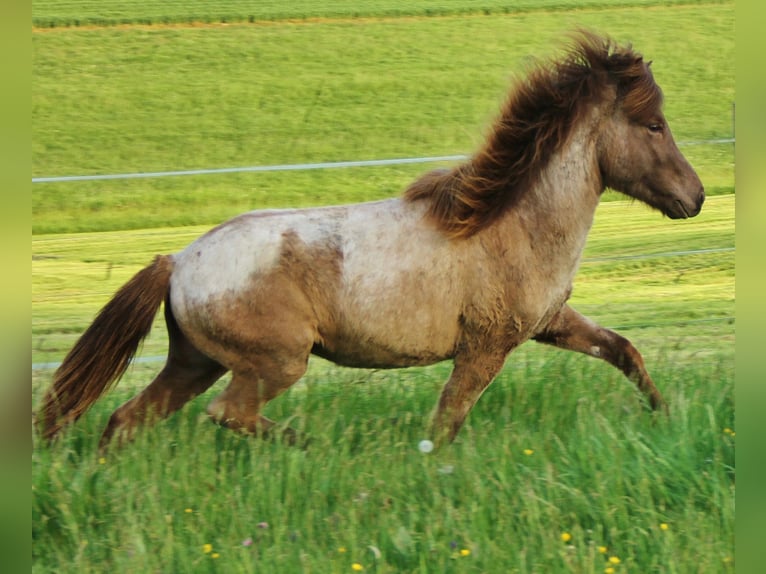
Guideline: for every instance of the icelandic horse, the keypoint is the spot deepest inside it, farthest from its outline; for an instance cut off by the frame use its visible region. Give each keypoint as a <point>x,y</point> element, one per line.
<point>468,264</point>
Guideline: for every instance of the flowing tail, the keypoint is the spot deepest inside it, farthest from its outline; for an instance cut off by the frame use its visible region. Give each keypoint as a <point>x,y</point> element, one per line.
<point>103,353</point>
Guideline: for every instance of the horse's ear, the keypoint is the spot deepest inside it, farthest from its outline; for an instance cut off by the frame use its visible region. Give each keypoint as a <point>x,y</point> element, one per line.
<point>649,64</point>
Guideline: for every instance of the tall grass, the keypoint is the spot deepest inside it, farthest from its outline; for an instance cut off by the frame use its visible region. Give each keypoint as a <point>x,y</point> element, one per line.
<point>555,447</point>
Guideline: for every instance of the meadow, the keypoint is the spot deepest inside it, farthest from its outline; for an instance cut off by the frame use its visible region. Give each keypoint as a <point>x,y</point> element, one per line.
<point>145,99</point>
<point>559,468</point>
<point>55,13</point>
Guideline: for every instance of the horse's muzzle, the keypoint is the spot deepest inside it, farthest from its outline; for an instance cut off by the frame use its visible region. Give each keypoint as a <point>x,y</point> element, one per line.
<point>684,210</point>
<point>698,204</point>
<point>700,200</point>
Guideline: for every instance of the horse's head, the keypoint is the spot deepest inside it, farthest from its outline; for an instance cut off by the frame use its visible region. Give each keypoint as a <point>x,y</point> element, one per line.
<point>637,153</point>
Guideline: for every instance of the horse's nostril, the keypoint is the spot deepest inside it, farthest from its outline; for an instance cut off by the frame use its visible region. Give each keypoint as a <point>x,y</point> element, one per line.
<point>701,199</point>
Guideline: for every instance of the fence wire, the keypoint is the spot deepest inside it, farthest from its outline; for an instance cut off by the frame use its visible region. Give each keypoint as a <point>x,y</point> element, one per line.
<point>296,167</point>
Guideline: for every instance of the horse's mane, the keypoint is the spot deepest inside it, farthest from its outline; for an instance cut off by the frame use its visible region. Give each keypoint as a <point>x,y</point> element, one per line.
<point>534,123</point>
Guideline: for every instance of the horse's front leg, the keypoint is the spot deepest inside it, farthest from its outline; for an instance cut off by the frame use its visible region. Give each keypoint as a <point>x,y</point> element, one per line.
<point>471,375</point>
<point>570,330</point>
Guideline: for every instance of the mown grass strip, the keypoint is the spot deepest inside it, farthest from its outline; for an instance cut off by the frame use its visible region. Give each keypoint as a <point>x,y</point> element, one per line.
<point>620,283</point>
<point>73,13</point>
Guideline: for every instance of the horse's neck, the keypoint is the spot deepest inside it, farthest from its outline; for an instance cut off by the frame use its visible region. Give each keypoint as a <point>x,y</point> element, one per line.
<point>556,212</point>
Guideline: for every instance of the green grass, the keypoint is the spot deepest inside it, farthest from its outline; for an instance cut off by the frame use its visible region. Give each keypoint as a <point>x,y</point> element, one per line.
<point>130,98</point>
<point>54,13</point>
<point>602,469</point>
<point>122,100</point>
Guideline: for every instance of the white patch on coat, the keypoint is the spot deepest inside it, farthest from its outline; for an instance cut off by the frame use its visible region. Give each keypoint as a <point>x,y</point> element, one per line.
<point>402,283</point>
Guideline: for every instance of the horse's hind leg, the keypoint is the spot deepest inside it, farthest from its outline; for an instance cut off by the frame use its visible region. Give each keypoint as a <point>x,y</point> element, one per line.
<point>238,406</point>
<point>187,373</point>
<point>265,346</point>
<point>571,330</point>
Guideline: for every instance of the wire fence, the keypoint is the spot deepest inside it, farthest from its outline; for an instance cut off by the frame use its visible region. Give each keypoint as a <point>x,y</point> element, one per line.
<point>298,166</point>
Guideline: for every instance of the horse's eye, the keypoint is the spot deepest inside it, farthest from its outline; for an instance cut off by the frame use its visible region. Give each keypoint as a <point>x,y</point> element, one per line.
<point>656,128</point>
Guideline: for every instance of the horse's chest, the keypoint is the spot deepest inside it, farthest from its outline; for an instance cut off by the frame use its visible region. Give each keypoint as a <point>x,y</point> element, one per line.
<point>517,308</point>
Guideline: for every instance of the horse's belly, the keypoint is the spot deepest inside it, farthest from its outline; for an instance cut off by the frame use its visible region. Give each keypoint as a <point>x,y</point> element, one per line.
<point>390,336</point>
<point>380,354</point>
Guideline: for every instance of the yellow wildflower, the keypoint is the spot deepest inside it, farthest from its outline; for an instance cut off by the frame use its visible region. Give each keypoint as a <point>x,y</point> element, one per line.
<point>664,526</point>
<point>566,537</point>
<point>342,550</point>
<point>207,548</point>
<point>356,567</point>
<point>614,560</point>
<point>528,451</point>
<point>465,552</point>
<point>608,570</point>
<point>188,510</point>
<point>102,460</point>
<point>602,549</point>
<point>214,555</point>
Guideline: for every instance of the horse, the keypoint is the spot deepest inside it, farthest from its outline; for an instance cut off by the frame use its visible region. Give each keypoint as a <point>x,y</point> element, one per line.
<point>466,265</point>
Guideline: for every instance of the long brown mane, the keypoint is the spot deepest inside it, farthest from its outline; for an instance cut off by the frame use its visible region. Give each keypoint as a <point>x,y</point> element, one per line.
<point>534,123</point>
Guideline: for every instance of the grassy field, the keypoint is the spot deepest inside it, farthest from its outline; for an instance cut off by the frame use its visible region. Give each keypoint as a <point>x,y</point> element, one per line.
<point>558,469</point>
<point>559,444</point>
<point>555,446</point>
<point>135,99</point>
<point>55,13</point>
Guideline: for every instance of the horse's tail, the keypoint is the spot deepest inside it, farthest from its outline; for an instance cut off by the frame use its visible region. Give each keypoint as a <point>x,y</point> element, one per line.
<point>103,352</point>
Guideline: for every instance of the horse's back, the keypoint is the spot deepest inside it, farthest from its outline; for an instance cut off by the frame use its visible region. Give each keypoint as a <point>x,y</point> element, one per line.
<point>228,258</point>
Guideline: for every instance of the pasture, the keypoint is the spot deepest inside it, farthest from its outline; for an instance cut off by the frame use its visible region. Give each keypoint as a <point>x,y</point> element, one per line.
<point>557,469</point>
